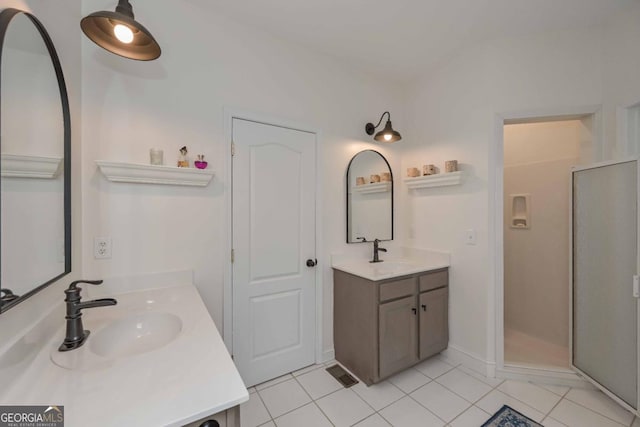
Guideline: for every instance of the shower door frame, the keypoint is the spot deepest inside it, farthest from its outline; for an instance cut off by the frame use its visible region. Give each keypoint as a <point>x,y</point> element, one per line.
<point>573,367</point>
<point>495,357</point>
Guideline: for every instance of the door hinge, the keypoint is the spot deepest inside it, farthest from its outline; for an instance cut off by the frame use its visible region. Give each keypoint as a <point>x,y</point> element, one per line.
<point>233,148</point>
<point>636,286</point>
<point>233,256</point>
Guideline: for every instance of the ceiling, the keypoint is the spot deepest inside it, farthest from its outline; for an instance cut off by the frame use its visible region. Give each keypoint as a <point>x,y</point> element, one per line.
<point>400,39</point>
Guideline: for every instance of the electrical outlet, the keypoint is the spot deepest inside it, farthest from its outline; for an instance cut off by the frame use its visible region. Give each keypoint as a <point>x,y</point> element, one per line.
<point>471,237</point>
<point>102,247</point>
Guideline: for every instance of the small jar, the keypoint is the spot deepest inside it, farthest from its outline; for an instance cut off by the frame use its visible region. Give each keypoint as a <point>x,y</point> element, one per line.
<point>451,166</point>
<point>428,170</point>
<point>156,157</point>
<point>200,163</point>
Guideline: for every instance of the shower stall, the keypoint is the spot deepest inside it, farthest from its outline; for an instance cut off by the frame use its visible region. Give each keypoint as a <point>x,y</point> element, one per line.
<point>538,159</point>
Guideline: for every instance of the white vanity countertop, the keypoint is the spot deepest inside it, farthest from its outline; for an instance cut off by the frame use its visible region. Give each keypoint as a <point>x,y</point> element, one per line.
<point>403,262</point>
<point>185,380</point>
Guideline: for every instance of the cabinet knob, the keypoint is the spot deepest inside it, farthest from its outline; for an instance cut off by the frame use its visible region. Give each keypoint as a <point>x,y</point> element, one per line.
<point>424,307</point>
<point>414,311</point>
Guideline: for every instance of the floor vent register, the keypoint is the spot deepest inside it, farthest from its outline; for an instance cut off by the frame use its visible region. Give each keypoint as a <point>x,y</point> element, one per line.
<point>343,377</point>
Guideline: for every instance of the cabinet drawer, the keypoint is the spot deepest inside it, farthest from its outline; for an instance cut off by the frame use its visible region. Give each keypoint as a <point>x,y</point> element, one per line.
<point>397,289</point>
<point>434,280</point>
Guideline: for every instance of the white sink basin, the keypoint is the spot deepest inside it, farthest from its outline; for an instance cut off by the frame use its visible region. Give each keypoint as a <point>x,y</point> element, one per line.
<point>135,334</point>
<point>391,267</point>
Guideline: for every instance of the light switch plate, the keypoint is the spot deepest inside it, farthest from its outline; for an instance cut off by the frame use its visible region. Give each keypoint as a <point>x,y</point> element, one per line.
<point>471,237</point>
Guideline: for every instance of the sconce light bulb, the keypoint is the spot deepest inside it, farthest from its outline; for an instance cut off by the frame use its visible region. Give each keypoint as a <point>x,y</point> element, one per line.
<point>123,33</point>
<point>387,137</point>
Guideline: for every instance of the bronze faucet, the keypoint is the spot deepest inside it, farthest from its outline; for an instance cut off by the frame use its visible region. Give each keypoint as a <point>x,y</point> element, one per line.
<point>376,249</point>
<point>76,335</point>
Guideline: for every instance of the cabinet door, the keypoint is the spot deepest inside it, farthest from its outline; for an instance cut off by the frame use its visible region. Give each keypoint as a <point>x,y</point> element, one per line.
<point>398,335</point>
<point>434,322</point>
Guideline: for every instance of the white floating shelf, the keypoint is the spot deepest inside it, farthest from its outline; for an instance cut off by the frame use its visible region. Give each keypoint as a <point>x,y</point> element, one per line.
<point>376,187</point>
<point>151,174</point>
<point>437,180</point>
<point>21,166</point>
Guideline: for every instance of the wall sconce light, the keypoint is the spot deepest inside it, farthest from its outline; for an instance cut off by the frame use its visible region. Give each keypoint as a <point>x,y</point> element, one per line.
<point>119,33</point>
<point>385,135</point>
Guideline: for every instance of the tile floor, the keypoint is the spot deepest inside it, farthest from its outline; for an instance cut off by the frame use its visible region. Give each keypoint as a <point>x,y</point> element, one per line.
<point>433,393</point>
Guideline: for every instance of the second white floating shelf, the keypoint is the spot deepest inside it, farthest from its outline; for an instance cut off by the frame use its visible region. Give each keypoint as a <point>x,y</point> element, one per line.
<point>437,180</point>
<point>151,174</point>
<point>375,187</point>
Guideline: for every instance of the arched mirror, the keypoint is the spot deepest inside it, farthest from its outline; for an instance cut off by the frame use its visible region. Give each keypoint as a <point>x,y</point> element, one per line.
<point>369,198</point>
<point>35,143</point>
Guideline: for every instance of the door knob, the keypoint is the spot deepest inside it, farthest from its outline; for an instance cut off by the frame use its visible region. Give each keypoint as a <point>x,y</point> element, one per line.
<point>312,262</point>
<point>424,307</point>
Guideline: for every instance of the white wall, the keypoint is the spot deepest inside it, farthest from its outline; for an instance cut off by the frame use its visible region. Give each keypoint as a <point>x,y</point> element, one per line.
<point>61,21</point>
<point>537,161</point>
<point>129,107</point>
<point>455,112</point>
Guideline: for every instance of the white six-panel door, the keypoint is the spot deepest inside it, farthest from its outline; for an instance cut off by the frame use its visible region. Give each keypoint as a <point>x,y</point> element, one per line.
<point>273,191</point>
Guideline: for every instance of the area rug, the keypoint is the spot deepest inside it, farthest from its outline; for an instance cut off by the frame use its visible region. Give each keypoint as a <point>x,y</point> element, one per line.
<point>509,417</point>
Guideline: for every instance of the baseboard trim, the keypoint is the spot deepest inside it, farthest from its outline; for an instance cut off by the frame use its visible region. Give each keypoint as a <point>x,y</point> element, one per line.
<point>555,376</point>
<point>327,355</point>
<point>457,356</point>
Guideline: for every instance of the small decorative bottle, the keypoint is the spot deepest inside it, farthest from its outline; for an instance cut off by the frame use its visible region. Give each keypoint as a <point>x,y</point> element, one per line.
<point>200,163</point>
<point>183,162</point>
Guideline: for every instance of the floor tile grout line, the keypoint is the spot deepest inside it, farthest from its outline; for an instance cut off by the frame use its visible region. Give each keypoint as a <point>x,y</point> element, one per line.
<point>458,416</point>
<point>548,414</point>
<point>265,406</point>
<point>322,412</point>
<point>375,413</point>
<point>275,384</point>
<point>436,415</point>
<point>597,412</point>
<point>386,406</point>
<point>288,412</point>
<point>409,394</point>
<point>528,404</point>
<point>316,367</point>
<point>459,395</point>
<point>314,400</point>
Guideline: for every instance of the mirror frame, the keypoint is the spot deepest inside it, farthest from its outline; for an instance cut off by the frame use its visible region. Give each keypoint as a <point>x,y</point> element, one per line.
<point>6,16</point>
<point>347,194</point>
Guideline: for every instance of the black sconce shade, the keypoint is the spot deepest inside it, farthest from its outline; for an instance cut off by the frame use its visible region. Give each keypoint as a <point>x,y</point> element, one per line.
<point>119,33</point>
<point>388,134</point>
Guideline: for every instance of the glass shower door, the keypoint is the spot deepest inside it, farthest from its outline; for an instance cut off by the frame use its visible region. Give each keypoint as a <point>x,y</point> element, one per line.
<point>605,261</point>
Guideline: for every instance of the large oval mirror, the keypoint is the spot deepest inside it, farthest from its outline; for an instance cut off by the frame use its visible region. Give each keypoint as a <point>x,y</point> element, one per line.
<point>35,246</point>
<point>369,198</point>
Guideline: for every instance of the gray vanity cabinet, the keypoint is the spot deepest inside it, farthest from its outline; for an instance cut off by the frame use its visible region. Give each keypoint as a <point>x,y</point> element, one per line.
<point>383,327</point>
<point>398,332</point>
<point>434,322</point>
